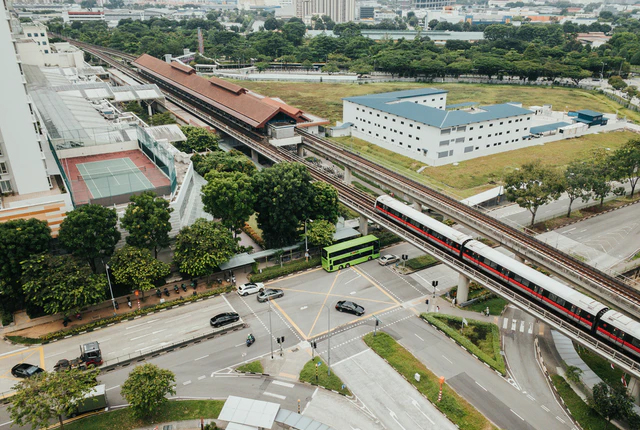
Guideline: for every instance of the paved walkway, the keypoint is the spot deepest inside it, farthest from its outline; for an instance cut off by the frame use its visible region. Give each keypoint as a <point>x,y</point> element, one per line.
<point>177,425</point>
<point>568,353</point>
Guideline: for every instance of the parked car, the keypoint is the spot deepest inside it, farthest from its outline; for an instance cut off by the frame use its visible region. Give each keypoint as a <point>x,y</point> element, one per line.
<point>388,259</point>
<point>224,319</point>
<point>250,288</point>
<point>25,370</point>
<point>269,294</point>
<point>350,307</point>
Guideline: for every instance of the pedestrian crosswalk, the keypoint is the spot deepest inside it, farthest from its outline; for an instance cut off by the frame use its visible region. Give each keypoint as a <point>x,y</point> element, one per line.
<point>517,326</point>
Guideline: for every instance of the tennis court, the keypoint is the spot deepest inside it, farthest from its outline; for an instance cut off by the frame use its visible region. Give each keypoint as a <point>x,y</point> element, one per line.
<point>113,177</point>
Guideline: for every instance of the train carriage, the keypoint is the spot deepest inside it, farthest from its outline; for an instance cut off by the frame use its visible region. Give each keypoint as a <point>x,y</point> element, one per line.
<point>435,232</point>
<point>620,332</point>
<point>556,296</point>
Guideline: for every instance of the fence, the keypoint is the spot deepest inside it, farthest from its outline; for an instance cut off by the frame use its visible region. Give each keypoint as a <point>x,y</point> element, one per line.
<point>160,156</point>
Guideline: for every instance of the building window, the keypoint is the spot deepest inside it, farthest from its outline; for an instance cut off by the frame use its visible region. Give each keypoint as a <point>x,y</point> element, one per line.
<point>509,121</point>
<point>489,135</point>
<point>482,126</point>
<point>410,125</point>
<point>508,131</point>
<point>418,127</point>
<point>358,108</point>
<point>410,136</point>
<point>527,119</point>
<point>385,117</point>
<point>49,181</point>
<point>409,146</point>
<point>445,131</point>
<point>384,127</point>
<point>44,42</point>
<point>468,149</point>
<point>462,128</point>
<point>5,186</point>
<point>393,140</point>
<point>394,120</point>
<point>28,34</point>
<point>46,51</point>
<point>402,122</point>
<point>501,122</point>
<point>417,138</point>
<point>460,139</point>
<point>400,133</point>
<point>490,125</point>
<point>525,129</point>
<point>470,139</point>
<point>416,102</point>
<point>378,115</point>
<point>477,147</point>
<point>3,168</point>
<point>1,153</point>
<point>377,135</point>
<point>517,130</point>
<point>443,154</point>
<point>433,100</point>
<point>444,143</point>
<point>441,98</point>
<point>470,128</point>
<point>42,34</point>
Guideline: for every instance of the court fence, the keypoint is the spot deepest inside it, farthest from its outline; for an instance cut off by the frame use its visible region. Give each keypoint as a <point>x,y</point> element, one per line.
<point>159,155</point>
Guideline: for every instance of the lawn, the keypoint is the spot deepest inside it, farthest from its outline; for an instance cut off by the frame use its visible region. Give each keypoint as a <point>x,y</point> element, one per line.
<point>254,366</point>
<point>457,409</point>
<point>586,417</point>
<point>601,367</point>
<point>419,263</point>
<point>310,370</point>
<point>496,305</point>
<point>121,419</point>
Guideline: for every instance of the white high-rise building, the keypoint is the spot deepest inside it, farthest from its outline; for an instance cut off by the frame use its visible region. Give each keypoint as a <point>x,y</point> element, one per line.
<point>339,10</point>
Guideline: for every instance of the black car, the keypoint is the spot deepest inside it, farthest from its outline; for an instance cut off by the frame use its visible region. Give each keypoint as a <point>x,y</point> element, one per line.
<point>25,370</point>
<point>269,294</point>
<point>352,308</point>
<point>224,319</point>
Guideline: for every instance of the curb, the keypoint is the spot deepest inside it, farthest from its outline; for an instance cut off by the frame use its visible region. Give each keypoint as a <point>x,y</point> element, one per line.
<point>594,215</point>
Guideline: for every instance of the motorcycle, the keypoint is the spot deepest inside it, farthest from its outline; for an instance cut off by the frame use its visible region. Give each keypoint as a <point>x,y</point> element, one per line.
<point>194,283</point>
<point>166,292</point>
<point>116,305</point>
<point>158,293</point>
<point>176,289</point>
<point>184,287</point>
<point>250,340</point>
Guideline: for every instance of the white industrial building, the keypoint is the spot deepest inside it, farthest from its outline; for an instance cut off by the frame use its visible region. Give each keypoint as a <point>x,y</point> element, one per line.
<point>419,124</point>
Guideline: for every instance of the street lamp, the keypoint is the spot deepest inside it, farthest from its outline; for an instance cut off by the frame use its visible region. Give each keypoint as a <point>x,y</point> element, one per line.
<point>602,74</point>
<point>270,331</point>
<point>113,301</point>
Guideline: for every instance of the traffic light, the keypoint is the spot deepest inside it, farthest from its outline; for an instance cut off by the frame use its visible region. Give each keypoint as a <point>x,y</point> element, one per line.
<point>282,339</point>
<point>434,283</point>
<point>377,322</point>
<point>314,344</point>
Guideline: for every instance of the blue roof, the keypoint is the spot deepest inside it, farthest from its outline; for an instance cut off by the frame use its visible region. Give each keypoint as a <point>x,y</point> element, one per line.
<point>548,127</point>
<point>392,103</point>
<point>589,112</point>
<point>459,105</point>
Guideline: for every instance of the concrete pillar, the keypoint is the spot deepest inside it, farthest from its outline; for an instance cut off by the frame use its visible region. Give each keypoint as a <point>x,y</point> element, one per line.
<point>149,110</point>
<point>463,289</point>
<point>300,150</point>
<point>254,156</point>
<point>634,389</point>
<point>416,205</point>
<point>519,259</point>
<point>347,175</point>
<point>364,225</point>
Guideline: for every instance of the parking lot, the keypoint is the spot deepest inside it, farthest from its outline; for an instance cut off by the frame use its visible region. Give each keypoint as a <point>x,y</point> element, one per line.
<point>309,300</point>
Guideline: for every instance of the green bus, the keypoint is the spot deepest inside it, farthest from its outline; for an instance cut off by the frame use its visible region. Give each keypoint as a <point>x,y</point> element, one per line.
<point>351,252</point>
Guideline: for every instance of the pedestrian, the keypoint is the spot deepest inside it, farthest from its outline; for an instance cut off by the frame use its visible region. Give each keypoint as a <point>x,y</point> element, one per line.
<point>437,309</point>
<point>453,302</point>
<point>427,302</point>
<point>486,311</point>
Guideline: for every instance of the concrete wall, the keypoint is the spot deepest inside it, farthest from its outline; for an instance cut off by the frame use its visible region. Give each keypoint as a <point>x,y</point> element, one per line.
<point>51,209</point>
<point>97,149</point>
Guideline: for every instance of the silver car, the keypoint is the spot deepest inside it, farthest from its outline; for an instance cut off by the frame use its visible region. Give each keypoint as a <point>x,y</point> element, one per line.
<point>388,259</point>
<point>269,294</point>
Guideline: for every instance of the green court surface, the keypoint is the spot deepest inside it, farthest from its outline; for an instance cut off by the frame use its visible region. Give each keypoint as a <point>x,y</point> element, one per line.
<point>113,177</point>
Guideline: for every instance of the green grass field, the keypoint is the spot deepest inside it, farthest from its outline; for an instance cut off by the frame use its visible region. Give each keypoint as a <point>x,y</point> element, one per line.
<point>254,366</point>
<point>586,417</point>
<point>332,382</point>
<point>601,367</point>
<point>496,305</point>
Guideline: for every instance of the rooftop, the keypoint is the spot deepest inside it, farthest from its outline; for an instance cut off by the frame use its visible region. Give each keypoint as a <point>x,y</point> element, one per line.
<point>589,112</point>
<point>392,103</point>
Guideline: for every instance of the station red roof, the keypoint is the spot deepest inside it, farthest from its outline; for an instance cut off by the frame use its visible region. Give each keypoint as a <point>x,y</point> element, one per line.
<point>226,96</point>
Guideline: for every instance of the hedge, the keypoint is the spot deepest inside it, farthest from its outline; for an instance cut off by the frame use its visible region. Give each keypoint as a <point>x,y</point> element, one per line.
<point>497,363</point>
<point>422,262</point>
<point>273,272</point>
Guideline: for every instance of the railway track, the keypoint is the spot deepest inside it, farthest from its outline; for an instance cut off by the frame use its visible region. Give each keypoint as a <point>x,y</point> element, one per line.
<point>360,200</point>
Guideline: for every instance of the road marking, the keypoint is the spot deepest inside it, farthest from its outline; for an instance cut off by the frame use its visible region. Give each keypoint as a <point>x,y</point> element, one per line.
<point>200,378</point>
<point>447,359</point>
<point>545,408</point>
<point>415,403</point>
<point>531,398</point>
<point>353,356</point>
<point>240,344</point>
<point>482,387</point>
<point>159,331</point>
<point>283,384</point>
<point>514,323</point>
<point>379,287</point>
<point>186,382</point>
<point>228,304</point>
<point>516,414</point>
<point>561,420</point>
<point>521,326</point>
<point>303,308</point>
<point>200,358</point>
<point>352,293</point>
<point>277,396</point>
<point>505,323</point>
<point>333,284</point>
<point>395,418</point>
<point>13,352</point>
<point>64,352</point>
<point>115,386</point>
<point>419,337</point>
<point>530,331</point>
<point>351,280</point>
<point>140,325</point>
<point>139,337</point>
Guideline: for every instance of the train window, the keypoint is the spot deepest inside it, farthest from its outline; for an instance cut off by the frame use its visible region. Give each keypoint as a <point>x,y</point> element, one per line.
<point>525,282</point>
<point>561,302</point>
<point>517,278</point>
<point>635,342</point>
<point>553,297</point>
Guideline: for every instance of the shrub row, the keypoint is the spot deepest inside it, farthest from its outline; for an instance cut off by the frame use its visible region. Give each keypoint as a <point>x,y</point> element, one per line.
<point>273,272</point>
<point>422,262</point>
<point>253,235</point>
<point>105,321</point>
<point>387,238</point>
<point>439,321</point>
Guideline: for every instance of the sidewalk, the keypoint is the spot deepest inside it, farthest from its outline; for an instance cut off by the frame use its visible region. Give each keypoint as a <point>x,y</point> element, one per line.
<point>568,353</point>
<point>290,364</point>
<point>178,425</point>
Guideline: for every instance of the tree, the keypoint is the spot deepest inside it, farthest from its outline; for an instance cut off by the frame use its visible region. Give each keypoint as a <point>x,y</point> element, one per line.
<point>574,374</point>
<point>611,403</point>
<point>162,118</point>
<point>134,107</point>
<point>146,389</point>
<point>220,161</point>
<point>20,239</point>
<point>147,221</point>
<point>230,197</point>
<point>271,23</point>
<point>617,82</point>
<point>324,202</point>
<point>262,66</point>
<point>49,395</point>
<point>600,176</point>
<point>90,232</point>
<point>283,195</point>
<point>330,68</point>
<point>198,140</point>
<point>202,247</point>
<point>320,232</point>
<point>625,162</point>
<point>307,65</point>
<point>294,31</point>
<point>532,186</point>
<point>576,183</point>
<point>61,283</point>
<point>136,268</point>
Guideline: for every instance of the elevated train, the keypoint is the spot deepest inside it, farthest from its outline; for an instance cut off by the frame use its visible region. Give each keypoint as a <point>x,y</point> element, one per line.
<point>611,327</point>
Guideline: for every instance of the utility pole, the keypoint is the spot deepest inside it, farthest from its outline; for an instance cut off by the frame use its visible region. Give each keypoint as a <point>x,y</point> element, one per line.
<point>329,350</point>
<point>270,331</point>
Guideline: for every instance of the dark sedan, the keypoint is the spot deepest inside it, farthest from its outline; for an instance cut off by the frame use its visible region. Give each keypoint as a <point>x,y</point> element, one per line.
<point>269,294</point>
<point>25,370</point>
<point>350,307</point>
<point>224,319</point>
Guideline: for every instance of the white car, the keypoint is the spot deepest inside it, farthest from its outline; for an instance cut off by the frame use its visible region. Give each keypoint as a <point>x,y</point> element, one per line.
<point>388,259</point>
<point>250,288</point>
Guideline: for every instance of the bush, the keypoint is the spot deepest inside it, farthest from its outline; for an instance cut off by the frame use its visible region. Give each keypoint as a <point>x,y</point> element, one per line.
<point>273,272</point>
<point>308,374</point>
<point>252,367</point>
<point>253,235</point>
<point>387,238</point>
<point>7,318</point>
<point>422,262</point>
<point>497,363</point>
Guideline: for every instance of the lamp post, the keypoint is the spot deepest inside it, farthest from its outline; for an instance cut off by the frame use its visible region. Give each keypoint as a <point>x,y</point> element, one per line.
<point>602,74</point>
<point>306,246</point>
<point>270,331</point>
<point>113,301</point>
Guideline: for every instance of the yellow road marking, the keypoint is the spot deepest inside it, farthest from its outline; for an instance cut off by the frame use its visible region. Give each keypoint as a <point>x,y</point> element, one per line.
<point>377,286</point>
<point>288,376</point>
<point>360,299</point>
<point>541,329</point>
<point>27,353</point>
<point>293,276</point>
<point>323,303</point>
<point>290,320</point>
<point>357,320</point>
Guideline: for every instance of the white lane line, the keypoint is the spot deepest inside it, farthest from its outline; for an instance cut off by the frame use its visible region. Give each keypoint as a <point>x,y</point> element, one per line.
<point>241,344</point>
<point>139,337</point>
<point>159,331</point>
<point>395,418</point>
<point>140,325</point>
<point>283,384</point>
<point>7,423</point>
<point>531,398</point>
<point>419,337</point>
<point>530,331</point>
<point>200,378</point>
<point>229,304</point>
<point>57,353</point>
<point>415,403</point>
<point>351,280</point>
<point>447,359</point>
<point>521,326</point>
<point>353,356</point>
<point>277,396</point>
<point>513,324</point>
<point>13,352</point>
<point>545,408</point>
<point>484,389</point>
<point>516,415</point>
<point>561,420</point>
<point>115,386</point>
<point>309,402</point>
<point>505,323</point>
<point>200,358</point>
<point>186,382</point>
